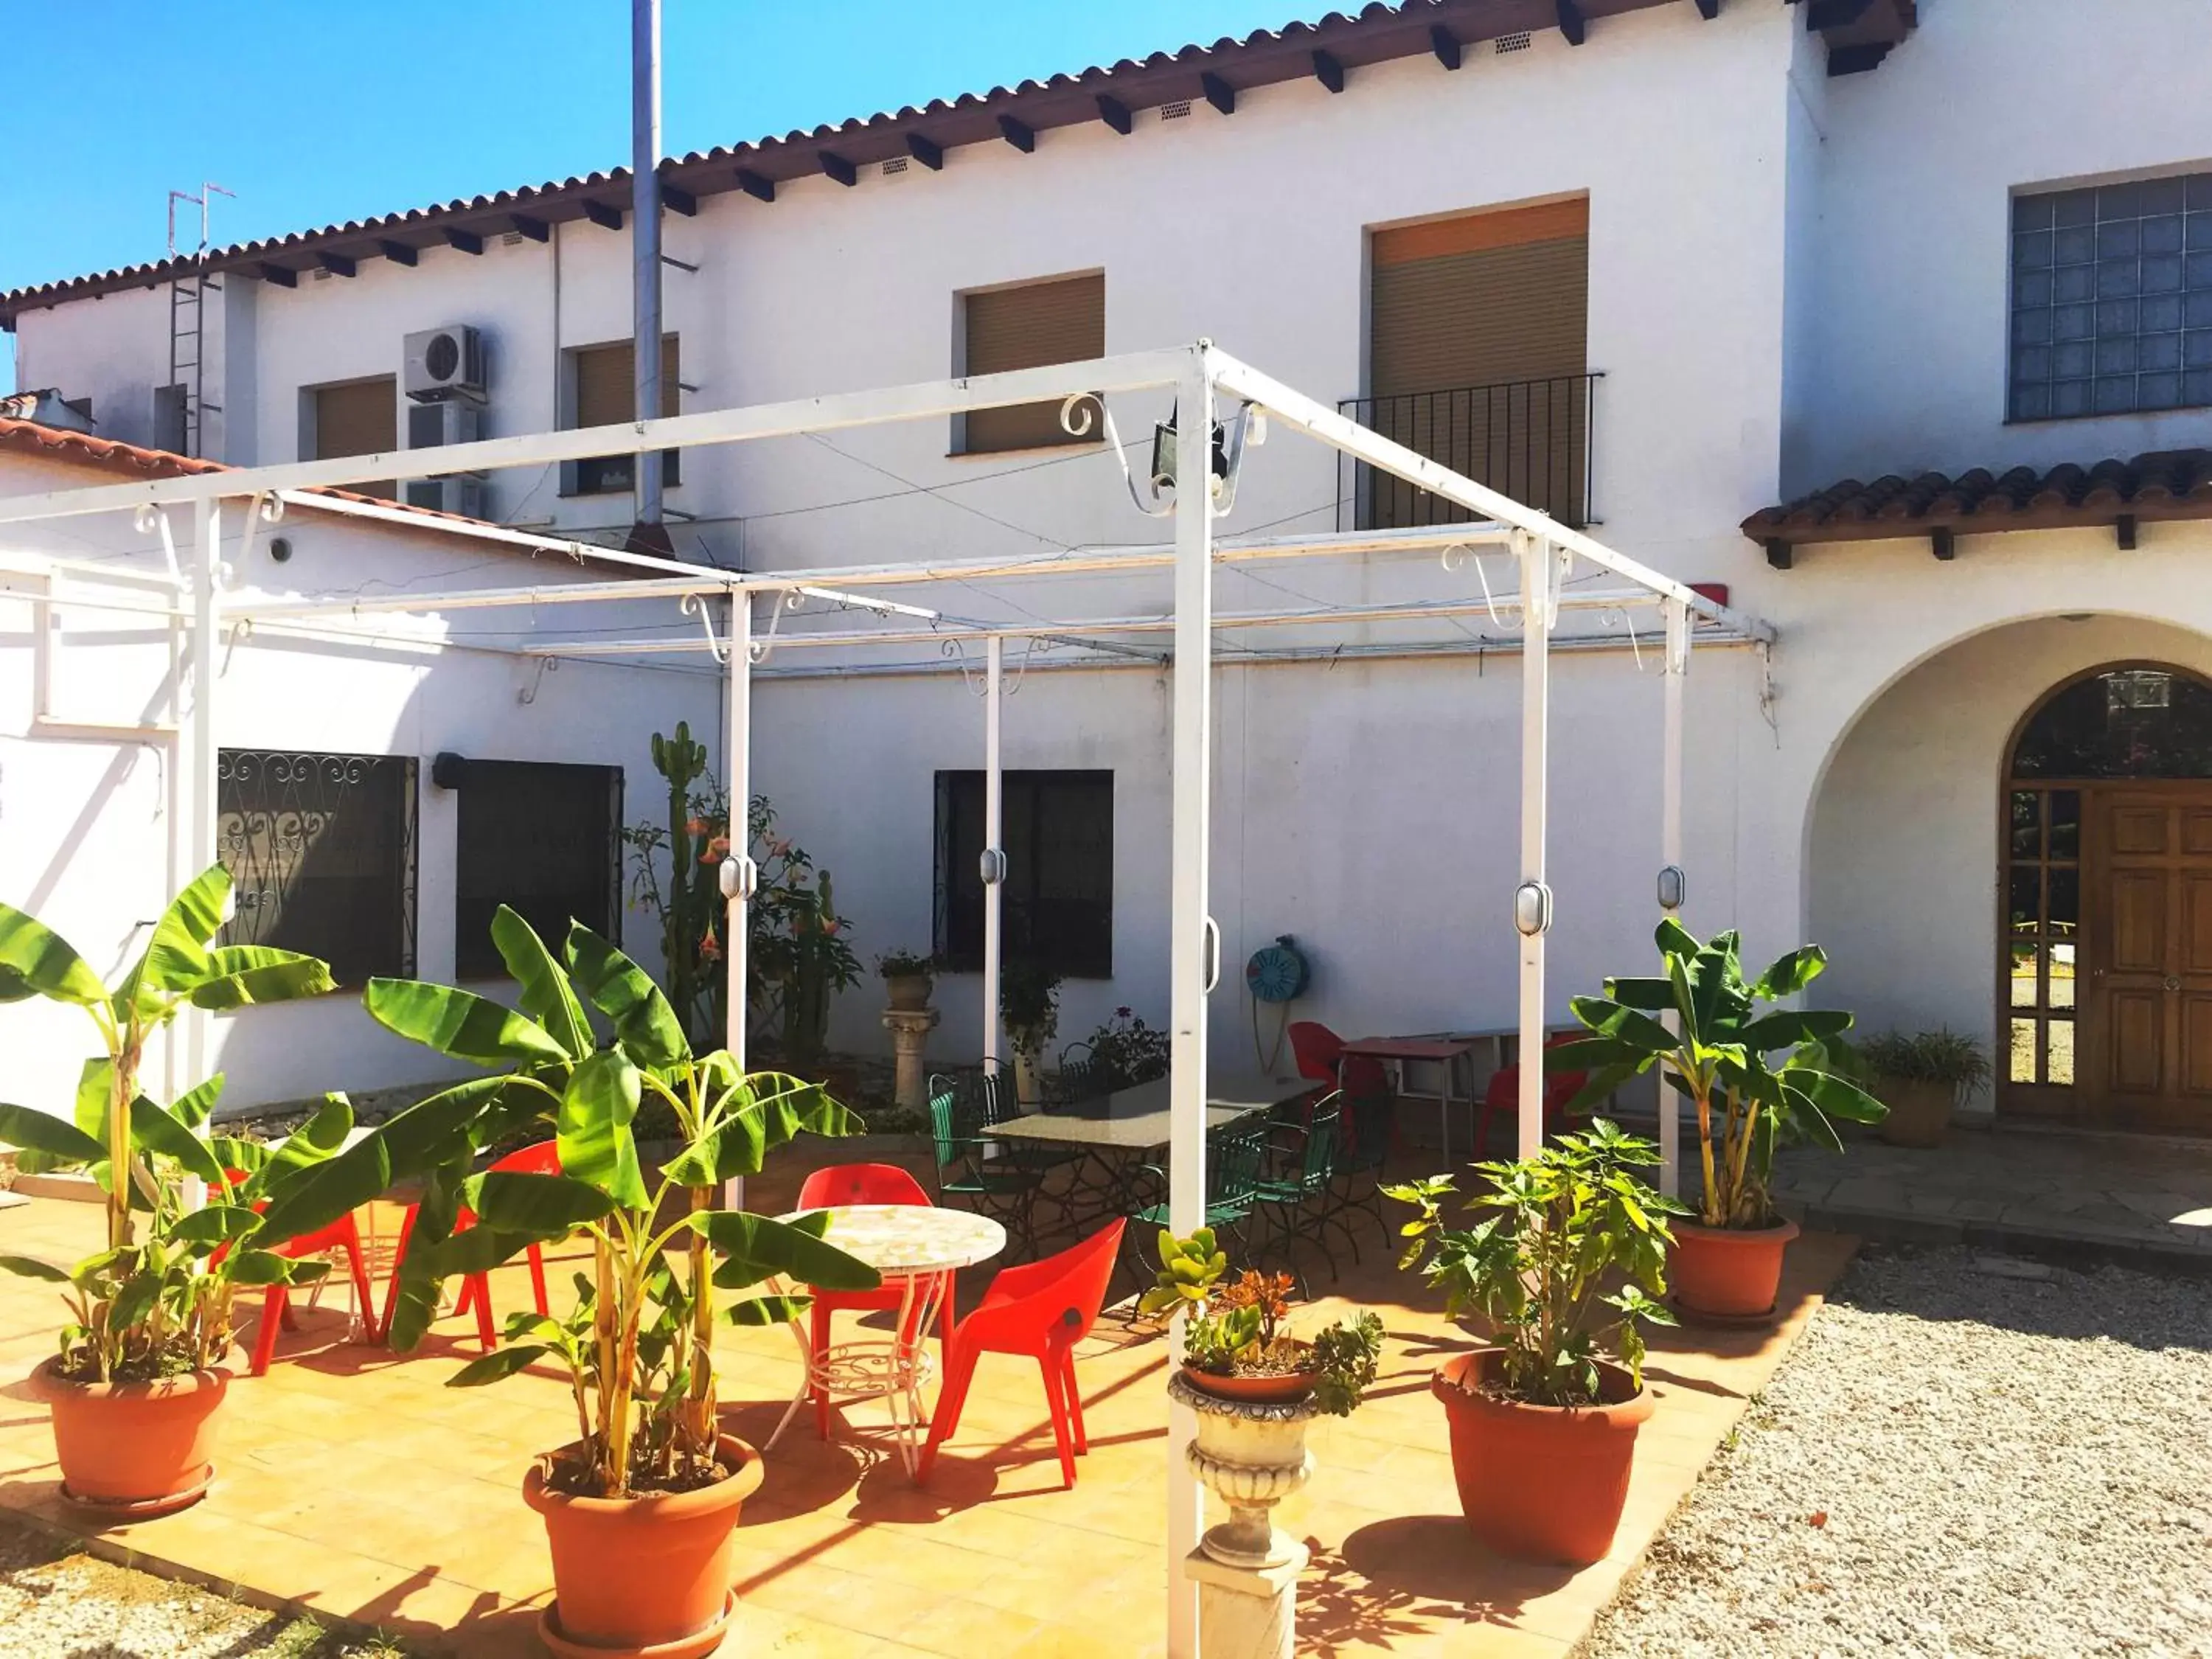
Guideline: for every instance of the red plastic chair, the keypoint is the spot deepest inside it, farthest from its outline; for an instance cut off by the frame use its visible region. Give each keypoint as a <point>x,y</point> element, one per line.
<point>857,1183</point>
<point>1502,1095</point>
<point>543,1159</point>
<point>1043,1309</point>
<point>1320,1055</point>
<point>276,1302</point>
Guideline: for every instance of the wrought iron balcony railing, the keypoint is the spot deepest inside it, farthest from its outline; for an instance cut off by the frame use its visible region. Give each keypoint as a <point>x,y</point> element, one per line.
<point>1532,439</point>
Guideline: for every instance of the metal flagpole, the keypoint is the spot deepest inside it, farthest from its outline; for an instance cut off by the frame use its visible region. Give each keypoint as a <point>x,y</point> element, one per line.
<point>994,856</point>
<point>1532,902</point>
<point>1190,932</point>
<point>1674,667</point>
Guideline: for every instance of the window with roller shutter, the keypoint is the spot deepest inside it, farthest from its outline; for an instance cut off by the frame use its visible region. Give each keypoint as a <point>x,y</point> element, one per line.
<point>1478,358</point>
<point>1059,321</point>
<point>361,417</point>
<point>605,394</point>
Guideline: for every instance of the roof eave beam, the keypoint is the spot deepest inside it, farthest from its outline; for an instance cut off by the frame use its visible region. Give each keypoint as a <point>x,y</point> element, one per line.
<point>926,151</point>
<point>398,252</point>
<point>1115,114</point>
<point>278,274</point>
<point>337,264</point>
<point>467,242</point>
<point>679,201</point>
<point>836,166</point>
<point>605,217</point>
<point>1447,47</point>
<point>753,185</point>
<point>1572,23</point>
<point>1219,93</point>
<point>1328,69</point>
<point>1019,134</point>
<point>536,229</point>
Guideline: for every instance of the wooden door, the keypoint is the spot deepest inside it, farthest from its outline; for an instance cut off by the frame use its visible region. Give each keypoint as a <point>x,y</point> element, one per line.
<point>2148,1010</point>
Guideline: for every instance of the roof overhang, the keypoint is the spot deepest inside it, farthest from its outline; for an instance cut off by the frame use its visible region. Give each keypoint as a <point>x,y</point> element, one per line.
<point>1330,51</point>
<point>2111,494</point>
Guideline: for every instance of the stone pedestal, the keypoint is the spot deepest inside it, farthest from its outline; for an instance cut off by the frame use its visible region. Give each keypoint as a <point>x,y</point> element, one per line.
<point>1253,1454</point>
<point>910,1028</point>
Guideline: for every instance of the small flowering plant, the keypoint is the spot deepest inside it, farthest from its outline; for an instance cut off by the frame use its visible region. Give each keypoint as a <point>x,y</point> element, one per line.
<point>1238,1329</point>
<point>902,963</point>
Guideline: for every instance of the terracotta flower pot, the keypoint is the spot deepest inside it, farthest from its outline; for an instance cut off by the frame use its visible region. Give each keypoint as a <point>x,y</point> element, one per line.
<point>1273,1390</point>
<point>136,1450</point>
<point>1919,1113</point>
<point>908,992</point>
<point>1728,1273</point>
<point>647,1576</point>
<point>1541,1483</point>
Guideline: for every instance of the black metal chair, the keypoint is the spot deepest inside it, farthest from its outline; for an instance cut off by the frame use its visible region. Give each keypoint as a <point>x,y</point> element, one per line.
<point>1369,1119</point>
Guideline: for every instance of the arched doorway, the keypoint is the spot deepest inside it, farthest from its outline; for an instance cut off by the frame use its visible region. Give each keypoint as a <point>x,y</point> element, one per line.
<point>2104,978</point>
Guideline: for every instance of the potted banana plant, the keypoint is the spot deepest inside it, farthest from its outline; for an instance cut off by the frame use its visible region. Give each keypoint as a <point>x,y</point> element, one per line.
<point>1564,1267</point>
<point>641,1508</point>
<point>146,1358</point>
<point>1757,1076</point>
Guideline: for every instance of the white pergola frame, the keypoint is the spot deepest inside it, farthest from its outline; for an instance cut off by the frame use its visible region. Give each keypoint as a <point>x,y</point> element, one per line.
<point>1201,378</point>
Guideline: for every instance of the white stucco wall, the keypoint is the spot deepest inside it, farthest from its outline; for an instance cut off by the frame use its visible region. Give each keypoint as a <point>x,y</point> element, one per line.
<point>84,825</point>
<point>1923,158</point>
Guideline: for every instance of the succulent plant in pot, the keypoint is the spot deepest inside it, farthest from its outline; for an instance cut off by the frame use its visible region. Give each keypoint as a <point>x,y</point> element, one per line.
<point>907,979</point>
<point>1238,1343</point>
<point>641,1508</point>
<point>146,1358</point>
<point>1921,1078</point>
<point>1757,1075</point>
<point>1563,1267</point>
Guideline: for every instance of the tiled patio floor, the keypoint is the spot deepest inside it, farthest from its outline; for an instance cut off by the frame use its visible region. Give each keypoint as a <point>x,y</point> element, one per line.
<point>356,1487</point>
<point>2128,1197</point>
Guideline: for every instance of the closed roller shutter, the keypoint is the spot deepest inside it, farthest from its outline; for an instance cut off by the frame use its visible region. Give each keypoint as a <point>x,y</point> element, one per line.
<point>361,419</point>
<point>1062,321</point>
<point>1478,348</point>
<point>606,393</point>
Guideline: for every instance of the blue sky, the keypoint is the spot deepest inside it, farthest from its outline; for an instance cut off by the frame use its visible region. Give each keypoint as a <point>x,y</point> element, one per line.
<point>315,111</point>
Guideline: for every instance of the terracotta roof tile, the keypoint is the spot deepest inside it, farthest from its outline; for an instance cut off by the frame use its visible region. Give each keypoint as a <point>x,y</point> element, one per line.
<point>52,443</point>
<point>1376,33</point>
<point>2175,484</point>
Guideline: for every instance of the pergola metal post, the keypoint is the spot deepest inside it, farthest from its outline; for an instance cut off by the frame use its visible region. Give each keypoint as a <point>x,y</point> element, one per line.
<point>200,740</point>
<point>1674,667</point>
<point>1190,930</point>
<point>994,856</point>
<point>1531,902</point>
<point>739,875</point>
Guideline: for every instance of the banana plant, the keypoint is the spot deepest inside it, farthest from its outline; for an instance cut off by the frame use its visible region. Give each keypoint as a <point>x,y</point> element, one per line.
<point>639,1344</point>
<point>1721,1055</point>
<point>160,1300</point>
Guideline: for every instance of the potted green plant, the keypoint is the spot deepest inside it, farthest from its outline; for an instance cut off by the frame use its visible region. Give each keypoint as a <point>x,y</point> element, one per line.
<point>1238,1343</point>
<point>906,979</point>
<point>1563,1267</point>
<point>1028,1006</point>
<point>146,1358</point>
<point>1129,1051</point>
<point>640,1509</point>
<point>1757,1075</point>
<point>1923,1079</point>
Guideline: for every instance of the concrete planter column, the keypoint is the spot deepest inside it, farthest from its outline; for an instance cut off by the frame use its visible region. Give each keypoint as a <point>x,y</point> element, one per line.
<point>1254,1455</point>
<point>910,1028</point>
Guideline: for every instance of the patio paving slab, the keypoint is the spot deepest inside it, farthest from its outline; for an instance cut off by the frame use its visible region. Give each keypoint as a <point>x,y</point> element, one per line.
<point>355,1484</point>
<point>2078,1198</point>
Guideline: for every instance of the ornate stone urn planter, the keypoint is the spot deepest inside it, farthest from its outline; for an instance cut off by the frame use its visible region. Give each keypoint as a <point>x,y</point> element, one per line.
<point>1253,1454</point>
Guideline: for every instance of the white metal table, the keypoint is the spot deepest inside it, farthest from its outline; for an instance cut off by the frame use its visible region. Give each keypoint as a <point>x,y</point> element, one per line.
<point>920,1247</point>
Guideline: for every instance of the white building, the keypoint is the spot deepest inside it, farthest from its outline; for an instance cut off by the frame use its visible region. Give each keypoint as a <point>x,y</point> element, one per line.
<point>1675,267</point>
<point>376,799</point>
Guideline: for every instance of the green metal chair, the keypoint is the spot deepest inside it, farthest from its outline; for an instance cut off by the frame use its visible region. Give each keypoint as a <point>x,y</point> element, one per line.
<point>1235,1156</point>
<point>966,1167</point>
<point>1081,1077</point>
<point>1292,1197</point>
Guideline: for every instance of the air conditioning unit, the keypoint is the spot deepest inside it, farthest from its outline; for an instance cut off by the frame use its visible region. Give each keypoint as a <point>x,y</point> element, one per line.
<point>444,363</point>
<point>432,426</point>
<point>458,493</point>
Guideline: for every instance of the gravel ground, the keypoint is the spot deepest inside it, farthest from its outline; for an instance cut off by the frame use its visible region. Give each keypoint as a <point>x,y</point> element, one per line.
<point>58,1603</point>
<point>1954,1460</point>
